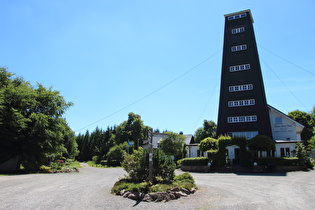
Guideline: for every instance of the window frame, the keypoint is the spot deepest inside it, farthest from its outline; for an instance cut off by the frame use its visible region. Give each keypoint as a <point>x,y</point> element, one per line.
<point>242,67</point>
<point>237,88</point>
<point>247,102</point>
<point>241,119</point>
<point>233,17</point>
<point>238,48</point>
<point>238,30</point>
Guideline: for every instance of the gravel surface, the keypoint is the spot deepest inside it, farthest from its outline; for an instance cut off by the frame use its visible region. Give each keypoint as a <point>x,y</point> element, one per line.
<point>90,189</point>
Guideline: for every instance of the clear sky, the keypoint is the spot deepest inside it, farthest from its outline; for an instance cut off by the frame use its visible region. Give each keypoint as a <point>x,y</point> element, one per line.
<point>160,59</point>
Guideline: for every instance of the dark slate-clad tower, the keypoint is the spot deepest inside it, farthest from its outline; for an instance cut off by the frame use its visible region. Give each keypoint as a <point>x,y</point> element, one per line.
<point>242,108</point>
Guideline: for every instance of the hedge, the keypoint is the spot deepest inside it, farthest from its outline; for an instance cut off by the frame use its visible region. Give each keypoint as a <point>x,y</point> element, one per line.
<point>293,161</point>
<point>198,161</point>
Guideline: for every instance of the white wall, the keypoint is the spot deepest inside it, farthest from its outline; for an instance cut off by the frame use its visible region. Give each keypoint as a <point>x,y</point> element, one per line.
<point>291,147</point>
<point>284,128</point>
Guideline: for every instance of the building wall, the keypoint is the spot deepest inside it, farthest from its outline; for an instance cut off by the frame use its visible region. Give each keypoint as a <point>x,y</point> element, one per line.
<point>285,148</point>
<point>193,151</point>
<point>284,128</point>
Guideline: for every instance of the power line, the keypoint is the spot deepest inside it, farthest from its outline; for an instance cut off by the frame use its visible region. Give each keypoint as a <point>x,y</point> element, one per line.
<point>284,84</point>
<point>151,93</point>
<point>288,61</point>
<point>215,87</point>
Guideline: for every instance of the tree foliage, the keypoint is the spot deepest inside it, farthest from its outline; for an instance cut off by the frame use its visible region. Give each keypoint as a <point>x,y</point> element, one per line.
<point>301,154</point>
<point>261,143</point>
<point>209,129</point>
<point>96,143</point>
<point>32,126</point>
<point>116,154</point>
<point>136,165</point>
<point>306,119</point>
<point>173,144</point>
<point>208,144</point>
<point>133,130</point>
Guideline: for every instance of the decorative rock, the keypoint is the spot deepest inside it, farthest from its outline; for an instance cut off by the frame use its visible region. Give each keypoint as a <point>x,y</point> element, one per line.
<point>182,194</point>
<point>177,195</point>
<point>160,196</point>
<point>193,190</point>
<point>121,192</point>
<point>175,189</point>
<point>172,195</point>
<point>133,196</point>
<point>186,191</point>
<point>126,194</point>
<point>147,198</point>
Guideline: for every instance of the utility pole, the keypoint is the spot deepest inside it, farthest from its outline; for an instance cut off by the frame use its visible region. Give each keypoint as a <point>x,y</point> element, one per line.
<point>150,136</point>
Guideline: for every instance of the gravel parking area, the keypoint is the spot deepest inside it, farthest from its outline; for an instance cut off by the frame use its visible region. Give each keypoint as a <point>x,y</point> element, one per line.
<point>90,189</point>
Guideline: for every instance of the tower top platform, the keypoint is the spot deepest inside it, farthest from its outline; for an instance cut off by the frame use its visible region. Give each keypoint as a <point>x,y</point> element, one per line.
<point>241,12</point>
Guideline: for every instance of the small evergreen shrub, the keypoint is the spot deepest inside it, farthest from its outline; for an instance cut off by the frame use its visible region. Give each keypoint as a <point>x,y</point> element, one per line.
<point>136,165</point>
<point>198,161</point>
<point>185,177</point>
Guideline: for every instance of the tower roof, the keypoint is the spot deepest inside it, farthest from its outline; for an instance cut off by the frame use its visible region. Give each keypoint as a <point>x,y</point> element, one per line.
<point>241,12</point>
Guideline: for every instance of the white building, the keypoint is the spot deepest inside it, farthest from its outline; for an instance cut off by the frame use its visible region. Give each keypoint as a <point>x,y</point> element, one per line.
<point>285,131</point>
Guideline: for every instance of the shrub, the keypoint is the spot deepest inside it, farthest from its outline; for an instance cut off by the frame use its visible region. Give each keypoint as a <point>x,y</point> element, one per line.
<point>221,157</point>
<point>185,177</point>
<point>136,165</point>
<point>261,143</point>
<point>286,161</point>
<point>301,154</point>
<point>115,155</point>
<point>198,161</point>
<point>208,144</point>
<point>160,187</point>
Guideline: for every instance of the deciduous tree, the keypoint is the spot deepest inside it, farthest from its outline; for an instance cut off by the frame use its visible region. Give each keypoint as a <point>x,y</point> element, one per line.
<point>32,126</point>
<point>209,129</point>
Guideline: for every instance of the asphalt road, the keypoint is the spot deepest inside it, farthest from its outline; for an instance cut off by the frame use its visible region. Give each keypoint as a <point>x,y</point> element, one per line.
<point>90,189</point>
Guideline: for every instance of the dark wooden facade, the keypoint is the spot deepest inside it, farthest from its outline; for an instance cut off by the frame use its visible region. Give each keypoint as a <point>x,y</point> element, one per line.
<point>242,105</point>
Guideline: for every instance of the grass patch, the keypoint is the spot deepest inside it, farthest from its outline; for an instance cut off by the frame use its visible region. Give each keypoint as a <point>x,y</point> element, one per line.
<point>91,163</point>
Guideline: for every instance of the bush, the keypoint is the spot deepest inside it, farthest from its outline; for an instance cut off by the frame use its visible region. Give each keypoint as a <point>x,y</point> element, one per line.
<point>301,154</point>
<point>115,154</point>
<point>198,161</point>
<point>286,161</point>
<point>185,177</point>
<point>136,165</point>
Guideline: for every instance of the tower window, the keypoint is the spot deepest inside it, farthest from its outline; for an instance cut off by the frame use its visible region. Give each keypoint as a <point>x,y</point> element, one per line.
<point>248,102</point>
<point>239,48</point>
<point>237,16</point>
<point>240,88</point>
<point>237,30</point>
<point>239,67</point>
<point>252,118</point>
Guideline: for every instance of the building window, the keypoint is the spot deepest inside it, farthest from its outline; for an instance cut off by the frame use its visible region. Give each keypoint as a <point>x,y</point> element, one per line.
<point>247,102</point>
<point>239,48</point>
<point>241,87</point>
<point>237,16</point>
<point>238,30</point>
<point>252,118</point>
<point>239,67</point>
<point>278,120</point>
<point>285,152</point>
<point>247,134</point>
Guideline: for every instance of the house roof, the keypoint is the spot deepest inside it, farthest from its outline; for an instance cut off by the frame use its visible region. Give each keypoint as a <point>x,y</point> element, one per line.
<point>189,139</point>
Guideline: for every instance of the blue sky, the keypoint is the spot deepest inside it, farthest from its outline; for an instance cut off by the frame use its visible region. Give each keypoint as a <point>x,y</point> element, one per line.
<point>159,59</point>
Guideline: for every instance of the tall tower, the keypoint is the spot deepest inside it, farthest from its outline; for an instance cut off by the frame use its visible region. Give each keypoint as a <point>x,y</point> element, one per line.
<point>243,108</point>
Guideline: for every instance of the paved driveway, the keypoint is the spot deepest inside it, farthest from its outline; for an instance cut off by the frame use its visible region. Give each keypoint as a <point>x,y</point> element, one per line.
<point>90,189</point>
